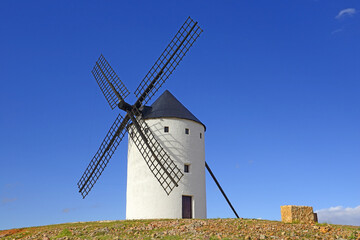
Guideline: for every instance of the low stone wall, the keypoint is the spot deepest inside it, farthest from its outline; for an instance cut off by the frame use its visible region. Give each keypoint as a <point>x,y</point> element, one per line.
<point>301,214</point>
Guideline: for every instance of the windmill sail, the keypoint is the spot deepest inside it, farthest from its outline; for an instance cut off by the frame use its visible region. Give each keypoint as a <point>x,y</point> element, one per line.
<point>168,61</point>
<point>103,155</point>
<point>159,162</point>
<point>108,79</point>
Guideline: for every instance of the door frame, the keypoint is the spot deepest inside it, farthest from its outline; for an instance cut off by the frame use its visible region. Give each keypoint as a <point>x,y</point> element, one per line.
<point>191,205</point>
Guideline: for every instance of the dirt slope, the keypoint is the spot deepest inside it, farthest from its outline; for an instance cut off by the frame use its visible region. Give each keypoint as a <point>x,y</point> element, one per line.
<point>185,229</point>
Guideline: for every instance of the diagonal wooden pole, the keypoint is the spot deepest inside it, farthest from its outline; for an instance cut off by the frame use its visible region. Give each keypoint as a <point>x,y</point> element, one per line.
<point>222,191</point>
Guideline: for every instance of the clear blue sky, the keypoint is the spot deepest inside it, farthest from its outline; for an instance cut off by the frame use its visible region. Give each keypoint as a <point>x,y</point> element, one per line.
<point>275,82</point>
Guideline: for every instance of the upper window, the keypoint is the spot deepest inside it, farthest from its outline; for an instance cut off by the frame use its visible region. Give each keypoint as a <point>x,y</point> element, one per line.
<point>186,168</point>
<point>166,129</point>
<point>200,135</point>
<point>187,131</point>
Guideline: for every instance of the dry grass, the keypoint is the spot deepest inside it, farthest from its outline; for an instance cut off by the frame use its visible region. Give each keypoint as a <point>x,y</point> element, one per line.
<point>185,229</point>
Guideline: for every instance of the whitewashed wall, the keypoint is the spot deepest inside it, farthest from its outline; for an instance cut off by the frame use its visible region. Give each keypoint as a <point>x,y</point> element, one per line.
<point>145,198</point>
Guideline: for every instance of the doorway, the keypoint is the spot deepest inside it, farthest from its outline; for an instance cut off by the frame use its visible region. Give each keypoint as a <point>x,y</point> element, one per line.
<point>186,207</point>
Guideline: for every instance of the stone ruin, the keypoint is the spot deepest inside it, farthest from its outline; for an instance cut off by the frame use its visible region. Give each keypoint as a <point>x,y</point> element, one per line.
<point>300,214</point>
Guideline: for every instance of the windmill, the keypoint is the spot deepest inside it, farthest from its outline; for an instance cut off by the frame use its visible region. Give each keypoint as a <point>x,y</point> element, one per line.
<point>149,147</point>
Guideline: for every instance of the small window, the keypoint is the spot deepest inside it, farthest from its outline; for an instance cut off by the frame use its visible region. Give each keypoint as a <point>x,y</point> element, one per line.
<point>187,131</point>
<point>166,129</point>
<point>200,135</point>
<point>186,168</point>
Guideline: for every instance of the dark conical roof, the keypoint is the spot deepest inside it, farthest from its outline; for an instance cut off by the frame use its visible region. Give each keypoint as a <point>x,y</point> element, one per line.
<point>168,106</point>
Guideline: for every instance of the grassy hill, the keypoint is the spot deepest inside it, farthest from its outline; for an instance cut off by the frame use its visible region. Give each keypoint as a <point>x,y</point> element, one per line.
<point>184,229</point>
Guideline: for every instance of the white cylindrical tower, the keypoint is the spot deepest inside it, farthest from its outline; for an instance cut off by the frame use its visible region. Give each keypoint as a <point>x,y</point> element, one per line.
<point>181,135</point>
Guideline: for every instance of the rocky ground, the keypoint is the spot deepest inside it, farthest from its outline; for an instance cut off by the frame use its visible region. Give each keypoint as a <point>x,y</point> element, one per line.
<point>185,229</point>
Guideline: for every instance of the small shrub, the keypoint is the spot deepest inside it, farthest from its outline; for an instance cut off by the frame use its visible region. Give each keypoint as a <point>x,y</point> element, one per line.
<point>354,235</point>
<point>64,233</point>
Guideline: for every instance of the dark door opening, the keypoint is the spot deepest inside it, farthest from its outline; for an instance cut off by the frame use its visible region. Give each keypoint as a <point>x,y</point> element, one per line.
<point>186,207</point>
